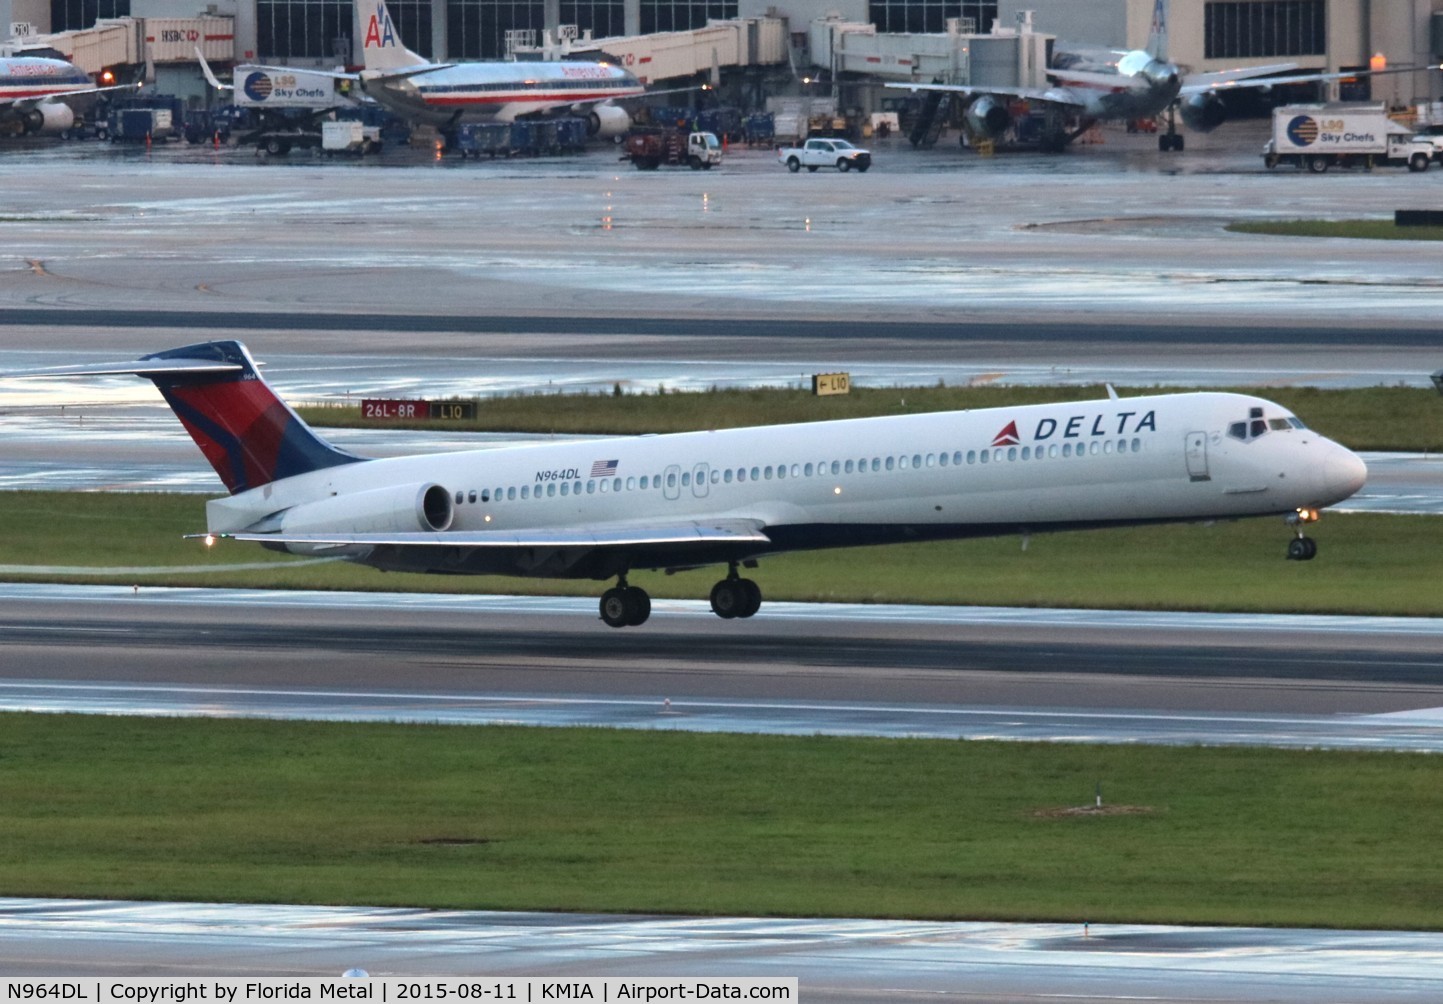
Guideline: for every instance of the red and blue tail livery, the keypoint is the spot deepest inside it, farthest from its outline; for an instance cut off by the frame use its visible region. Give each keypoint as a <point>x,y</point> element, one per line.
<point>250,436</point>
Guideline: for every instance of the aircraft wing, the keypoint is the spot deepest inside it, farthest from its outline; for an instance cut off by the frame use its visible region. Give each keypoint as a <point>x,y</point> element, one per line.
<point>43,98</point>
<point>1197,83</point>
<point>1051,95</point>
<point>669,535</point>
<point>404,73</point>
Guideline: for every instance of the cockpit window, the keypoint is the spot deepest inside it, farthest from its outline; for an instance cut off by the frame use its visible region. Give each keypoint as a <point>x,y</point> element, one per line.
<point>1296,422</point>
<point>1257,425</point>
<point>1280,425</point>
<point>1239,430</point>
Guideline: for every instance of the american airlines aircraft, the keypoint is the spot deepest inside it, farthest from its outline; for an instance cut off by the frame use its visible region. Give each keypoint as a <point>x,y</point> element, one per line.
<point>40,95</point>
<point>605,508</point>
<point>447,94</point>
<point>1090,87</point>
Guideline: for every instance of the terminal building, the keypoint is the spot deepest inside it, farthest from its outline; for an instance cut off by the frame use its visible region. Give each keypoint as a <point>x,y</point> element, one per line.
<point>836,45</point>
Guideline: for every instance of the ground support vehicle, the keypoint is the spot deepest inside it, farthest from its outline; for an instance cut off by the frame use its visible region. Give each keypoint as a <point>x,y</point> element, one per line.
<point>648,149</point>
<point>817,153</point>
<point>1343,134</point>
<point>349,137</point>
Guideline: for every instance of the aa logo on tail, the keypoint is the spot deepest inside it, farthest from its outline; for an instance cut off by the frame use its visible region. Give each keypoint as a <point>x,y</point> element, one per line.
<point>1008,436</point>
<point>380,33</point>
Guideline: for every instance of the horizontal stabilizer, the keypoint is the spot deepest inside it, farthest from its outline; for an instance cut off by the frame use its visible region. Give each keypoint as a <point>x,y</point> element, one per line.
<point>678,534</point>
<point>138,367</point>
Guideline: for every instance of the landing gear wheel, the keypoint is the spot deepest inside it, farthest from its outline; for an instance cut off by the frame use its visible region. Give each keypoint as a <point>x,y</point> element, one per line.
<point>625,606</point>
<point>735,598</point>
<point>1302,549</point>
<point>728,599</point>
<point>753,597</point>
<point>638,606</point>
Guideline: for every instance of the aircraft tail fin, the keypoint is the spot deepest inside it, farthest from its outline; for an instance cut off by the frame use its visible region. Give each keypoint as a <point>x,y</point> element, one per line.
<point>249,435</point>
<point>381,45</point>
<point>1157,33</point>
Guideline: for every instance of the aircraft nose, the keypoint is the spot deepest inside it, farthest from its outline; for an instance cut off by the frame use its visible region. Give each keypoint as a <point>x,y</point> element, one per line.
<point>1343,474</point>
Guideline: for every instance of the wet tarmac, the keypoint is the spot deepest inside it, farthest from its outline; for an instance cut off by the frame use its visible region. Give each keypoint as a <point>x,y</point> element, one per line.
<point>851,961</point>
<point>1102,233</point>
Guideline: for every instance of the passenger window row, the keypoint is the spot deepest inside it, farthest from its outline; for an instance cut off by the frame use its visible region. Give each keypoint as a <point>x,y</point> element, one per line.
<point>825,468</point>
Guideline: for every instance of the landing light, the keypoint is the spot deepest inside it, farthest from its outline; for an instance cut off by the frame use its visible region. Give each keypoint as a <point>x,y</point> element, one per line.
<point>488,517</point>
<point>837,490</point>
<point>1307,515</point>
<point>209,540</point>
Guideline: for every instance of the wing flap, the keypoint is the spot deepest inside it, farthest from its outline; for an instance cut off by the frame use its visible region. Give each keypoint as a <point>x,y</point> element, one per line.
<point>1051,95</point>
<point>654,535</point>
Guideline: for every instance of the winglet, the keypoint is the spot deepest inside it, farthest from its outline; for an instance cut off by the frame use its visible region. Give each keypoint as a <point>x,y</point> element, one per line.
<point>209,76</point>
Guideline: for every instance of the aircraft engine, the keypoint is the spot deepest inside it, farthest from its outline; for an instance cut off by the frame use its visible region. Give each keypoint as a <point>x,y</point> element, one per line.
<point>607,121</point>
<point>49,117</point>
<point>422,508</point>
<point>1203,112</point>
<point>987,118</point>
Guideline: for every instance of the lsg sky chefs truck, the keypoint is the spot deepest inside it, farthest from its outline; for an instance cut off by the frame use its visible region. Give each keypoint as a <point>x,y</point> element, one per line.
<point>1344,134</point>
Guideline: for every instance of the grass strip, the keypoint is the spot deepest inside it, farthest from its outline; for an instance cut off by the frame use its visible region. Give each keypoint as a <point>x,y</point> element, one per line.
<point>1373,230</point>
<point>589,819</point>
<point>1371,418</point>
<point>1367,563</point>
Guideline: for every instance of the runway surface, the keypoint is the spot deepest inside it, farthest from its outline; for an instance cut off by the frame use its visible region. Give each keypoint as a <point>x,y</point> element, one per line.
<point>852,961</point>
<point>801,669</point>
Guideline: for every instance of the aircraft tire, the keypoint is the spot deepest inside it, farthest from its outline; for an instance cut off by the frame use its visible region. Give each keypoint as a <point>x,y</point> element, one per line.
<point>1302,549</point>
<point>753,594</point>
<point>638,605</point>
<point>728,599</point>
<point>614,607</point>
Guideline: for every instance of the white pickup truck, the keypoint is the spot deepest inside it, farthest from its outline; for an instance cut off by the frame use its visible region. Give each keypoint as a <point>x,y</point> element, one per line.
<point>817,153</point>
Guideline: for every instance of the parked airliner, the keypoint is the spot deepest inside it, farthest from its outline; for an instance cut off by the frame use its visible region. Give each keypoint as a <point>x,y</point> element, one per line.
<point>1089,87</point>
<point>599,509</point>
<point>39,94</point>
<point>447,94</point>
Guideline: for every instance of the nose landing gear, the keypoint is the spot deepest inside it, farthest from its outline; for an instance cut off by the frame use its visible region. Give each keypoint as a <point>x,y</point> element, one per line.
<point>1301,547</point>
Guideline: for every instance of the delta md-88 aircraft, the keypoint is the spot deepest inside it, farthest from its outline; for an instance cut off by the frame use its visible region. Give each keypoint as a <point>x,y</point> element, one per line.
<point>599,509</point>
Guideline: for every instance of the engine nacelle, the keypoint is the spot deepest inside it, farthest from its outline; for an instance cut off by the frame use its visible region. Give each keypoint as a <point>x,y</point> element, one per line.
<point>607,121</point>
<point>1203,112</point>
<point>423,508</point>
<point>987,118</point>
<point>48,117</point>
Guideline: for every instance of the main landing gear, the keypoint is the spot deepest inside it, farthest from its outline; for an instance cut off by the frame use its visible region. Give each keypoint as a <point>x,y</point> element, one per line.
<point>625,606</point>
<point>735,596</point>
<point>1301,547</point>
<point>630,606</point>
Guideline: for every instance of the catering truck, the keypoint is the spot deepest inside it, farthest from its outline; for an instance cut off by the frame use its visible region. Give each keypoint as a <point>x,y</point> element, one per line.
<point>1342,134</point>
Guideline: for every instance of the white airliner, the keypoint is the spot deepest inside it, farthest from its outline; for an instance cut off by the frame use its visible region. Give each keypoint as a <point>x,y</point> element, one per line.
<point>604,508</point>
<point>447,94</point>
<point>1089,87</point>
<point>40,95</point>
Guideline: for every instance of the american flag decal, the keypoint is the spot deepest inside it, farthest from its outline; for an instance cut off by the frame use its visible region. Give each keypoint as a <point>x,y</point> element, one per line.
<point>603,468</point>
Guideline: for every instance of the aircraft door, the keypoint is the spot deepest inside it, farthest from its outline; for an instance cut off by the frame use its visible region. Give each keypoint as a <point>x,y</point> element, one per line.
<point>671,482</point>
<point>699,485</point>
<point>1197,456</point>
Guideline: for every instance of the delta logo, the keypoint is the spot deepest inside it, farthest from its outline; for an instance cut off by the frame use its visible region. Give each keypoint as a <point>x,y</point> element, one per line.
<point>380,33</point>
<point>1008,436</point>
<point>1122,423</point>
